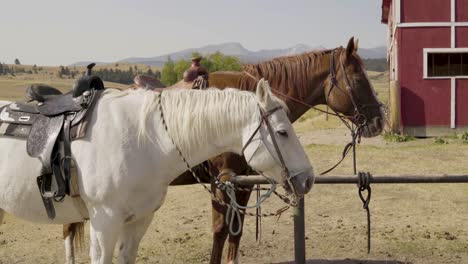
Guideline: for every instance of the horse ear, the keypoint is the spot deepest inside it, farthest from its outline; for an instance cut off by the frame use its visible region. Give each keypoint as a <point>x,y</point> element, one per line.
<point>356,44</point>
<point>350,48</point>
<point>263,91</point>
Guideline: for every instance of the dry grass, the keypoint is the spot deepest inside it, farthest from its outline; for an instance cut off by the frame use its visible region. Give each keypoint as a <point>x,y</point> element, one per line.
<point>13,87</point>
<point>411,223</point>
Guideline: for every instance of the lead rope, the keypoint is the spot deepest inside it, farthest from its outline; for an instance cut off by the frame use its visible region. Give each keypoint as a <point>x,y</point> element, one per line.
<point>364,180</point>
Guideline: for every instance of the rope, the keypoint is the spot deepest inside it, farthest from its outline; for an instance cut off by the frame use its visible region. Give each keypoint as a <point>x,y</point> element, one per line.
<point>365,191</point>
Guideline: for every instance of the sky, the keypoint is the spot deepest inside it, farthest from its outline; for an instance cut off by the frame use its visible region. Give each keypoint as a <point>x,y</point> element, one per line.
<point>61,32</point>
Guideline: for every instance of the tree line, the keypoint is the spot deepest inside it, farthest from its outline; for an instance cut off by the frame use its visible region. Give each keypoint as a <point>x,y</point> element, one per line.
<point>379,65</point>
<point>6,69</point>
<point>172,72</point>
<point>111,75</point>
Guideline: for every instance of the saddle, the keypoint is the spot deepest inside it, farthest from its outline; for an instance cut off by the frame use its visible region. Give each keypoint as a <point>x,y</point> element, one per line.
<point>147,82</point>
<point>151,83</point>
<point>50,120</point>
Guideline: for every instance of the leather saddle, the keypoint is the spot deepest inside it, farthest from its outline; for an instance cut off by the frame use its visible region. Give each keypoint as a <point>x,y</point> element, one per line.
<point>151,83</point>
<point>50,120</point>
<point>147,82</point>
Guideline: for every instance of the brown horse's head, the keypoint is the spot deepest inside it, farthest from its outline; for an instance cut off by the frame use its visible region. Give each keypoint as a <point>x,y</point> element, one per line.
<point>349,91</point>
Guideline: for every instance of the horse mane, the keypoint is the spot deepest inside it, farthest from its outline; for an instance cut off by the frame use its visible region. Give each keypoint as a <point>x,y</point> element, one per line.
<point>291,72</point>
<point>205,115</point>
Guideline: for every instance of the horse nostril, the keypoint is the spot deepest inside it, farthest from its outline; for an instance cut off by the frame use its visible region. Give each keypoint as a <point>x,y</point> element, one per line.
<point>377,122</point>
<point>309,183</point>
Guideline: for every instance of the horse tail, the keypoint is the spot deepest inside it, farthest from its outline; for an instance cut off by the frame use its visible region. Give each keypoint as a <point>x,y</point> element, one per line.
<point>1,216</point>
<point>73,234</point>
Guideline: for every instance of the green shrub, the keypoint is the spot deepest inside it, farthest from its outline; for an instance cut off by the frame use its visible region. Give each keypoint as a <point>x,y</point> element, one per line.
<point>464,137</point>
<point>439,140</point>
<point>393,137</point>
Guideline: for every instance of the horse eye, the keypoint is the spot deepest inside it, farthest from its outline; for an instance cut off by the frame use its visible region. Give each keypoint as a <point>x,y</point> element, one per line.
<point>282,133</point>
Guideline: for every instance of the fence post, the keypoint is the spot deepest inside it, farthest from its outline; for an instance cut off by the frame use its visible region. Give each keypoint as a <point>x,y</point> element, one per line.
<point>299,233</point>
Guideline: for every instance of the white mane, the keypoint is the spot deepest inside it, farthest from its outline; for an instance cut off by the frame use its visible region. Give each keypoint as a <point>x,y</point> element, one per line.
<point>204,115</point>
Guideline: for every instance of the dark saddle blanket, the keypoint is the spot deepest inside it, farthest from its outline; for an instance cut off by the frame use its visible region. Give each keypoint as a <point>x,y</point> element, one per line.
<point>49,121</point>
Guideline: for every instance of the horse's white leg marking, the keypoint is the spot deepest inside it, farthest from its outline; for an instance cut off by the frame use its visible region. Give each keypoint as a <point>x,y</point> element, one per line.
<point>69,250</point>
<point>130,238</point>
<point>104,232</point>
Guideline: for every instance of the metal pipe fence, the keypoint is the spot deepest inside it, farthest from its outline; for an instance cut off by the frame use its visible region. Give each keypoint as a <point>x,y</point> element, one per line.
<point>298,212</point>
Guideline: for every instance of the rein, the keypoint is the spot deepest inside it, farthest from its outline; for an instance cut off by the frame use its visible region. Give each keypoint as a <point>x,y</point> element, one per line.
<point>355,126</point>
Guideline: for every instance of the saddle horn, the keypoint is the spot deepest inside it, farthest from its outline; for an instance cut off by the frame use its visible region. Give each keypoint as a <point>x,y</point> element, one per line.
<point>89,68</point>
<point>87,82</point>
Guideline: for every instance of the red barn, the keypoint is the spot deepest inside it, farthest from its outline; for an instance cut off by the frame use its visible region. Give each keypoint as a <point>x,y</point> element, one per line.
<point>428,58</point>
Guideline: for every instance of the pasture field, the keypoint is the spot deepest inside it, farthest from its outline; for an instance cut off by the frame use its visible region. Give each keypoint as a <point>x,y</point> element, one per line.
<point>417,223</point>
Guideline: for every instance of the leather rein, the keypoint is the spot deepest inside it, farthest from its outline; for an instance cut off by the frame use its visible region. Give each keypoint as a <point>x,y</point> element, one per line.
<point>354,122</point>
<point>285,172</point>
<point>264,120</point>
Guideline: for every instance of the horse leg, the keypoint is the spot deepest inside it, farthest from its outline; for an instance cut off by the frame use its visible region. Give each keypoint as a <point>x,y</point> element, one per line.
<point>73,234</point>
<point>236,164</point>
<point>234,241</point>
<point>220,230</point>
<point>103,236</point>
<point>68,237</point>
<point>130,238</point>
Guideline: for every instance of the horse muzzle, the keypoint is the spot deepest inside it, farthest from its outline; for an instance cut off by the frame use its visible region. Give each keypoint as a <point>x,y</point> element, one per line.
<point>299,183</point>
<point>373,128</point>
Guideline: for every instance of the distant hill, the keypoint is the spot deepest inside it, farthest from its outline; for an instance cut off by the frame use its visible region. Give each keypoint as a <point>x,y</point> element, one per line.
<point>245,55</point>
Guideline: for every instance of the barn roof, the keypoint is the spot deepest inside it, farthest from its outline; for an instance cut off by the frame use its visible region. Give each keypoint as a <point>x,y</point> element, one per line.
<point>385,10</point>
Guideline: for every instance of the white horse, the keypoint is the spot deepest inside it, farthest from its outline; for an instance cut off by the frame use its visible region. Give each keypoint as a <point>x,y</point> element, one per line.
<point>128,158</point>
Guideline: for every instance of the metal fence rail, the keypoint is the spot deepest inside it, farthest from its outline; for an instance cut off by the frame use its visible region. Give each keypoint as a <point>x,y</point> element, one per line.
<point>298,212</point>
<point>379,179</point>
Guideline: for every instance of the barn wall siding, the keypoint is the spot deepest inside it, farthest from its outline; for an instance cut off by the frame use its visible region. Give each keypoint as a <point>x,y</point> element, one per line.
<point>461,11</point>
<point>423,102</point>
<point>461,116</point>
<point>461,37</point>
<point>425,11</point>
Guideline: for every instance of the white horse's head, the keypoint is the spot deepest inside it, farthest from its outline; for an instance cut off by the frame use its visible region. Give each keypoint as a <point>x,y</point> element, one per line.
<point>272,147</point>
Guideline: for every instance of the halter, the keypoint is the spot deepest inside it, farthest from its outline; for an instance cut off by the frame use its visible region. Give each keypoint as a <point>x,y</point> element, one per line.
<point>285,172</point>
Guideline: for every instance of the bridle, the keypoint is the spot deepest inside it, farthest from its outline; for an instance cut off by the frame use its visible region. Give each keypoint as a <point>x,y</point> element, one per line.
<point>357,118</point>
<point>287,177</point>
<point>355,122</point>
<point>284,169</point>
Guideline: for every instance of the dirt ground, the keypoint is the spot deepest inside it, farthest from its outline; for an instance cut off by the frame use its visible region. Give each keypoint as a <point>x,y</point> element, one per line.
<point>417,224</point>
<point>410,223</point>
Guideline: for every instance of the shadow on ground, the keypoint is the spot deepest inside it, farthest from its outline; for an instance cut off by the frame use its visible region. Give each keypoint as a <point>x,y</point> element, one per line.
<point>346,261</point>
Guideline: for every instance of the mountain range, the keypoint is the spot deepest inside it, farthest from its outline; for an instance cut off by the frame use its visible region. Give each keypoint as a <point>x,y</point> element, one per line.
<point>244,55</point>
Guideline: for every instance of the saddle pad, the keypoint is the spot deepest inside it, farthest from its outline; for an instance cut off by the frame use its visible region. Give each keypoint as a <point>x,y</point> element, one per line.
<point>9,115</point>
<point>14,130</point>
<point>42,138</point>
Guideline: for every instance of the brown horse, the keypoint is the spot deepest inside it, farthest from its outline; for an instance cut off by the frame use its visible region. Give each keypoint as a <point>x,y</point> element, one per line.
<point>335,77</point>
